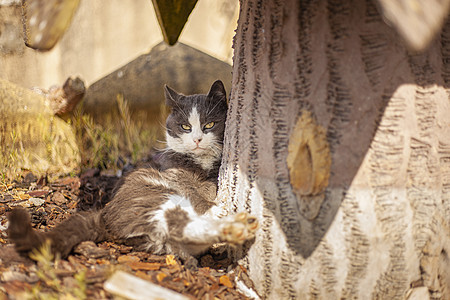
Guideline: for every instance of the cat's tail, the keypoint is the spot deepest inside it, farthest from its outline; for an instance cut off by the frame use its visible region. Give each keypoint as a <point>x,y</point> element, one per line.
<point>84,226</point>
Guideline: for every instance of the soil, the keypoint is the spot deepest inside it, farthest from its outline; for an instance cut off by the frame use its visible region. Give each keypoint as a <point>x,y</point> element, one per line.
<point>49,203</point>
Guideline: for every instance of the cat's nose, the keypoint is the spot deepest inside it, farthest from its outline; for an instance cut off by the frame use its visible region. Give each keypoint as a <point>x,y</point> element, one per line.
<point>197,141</point>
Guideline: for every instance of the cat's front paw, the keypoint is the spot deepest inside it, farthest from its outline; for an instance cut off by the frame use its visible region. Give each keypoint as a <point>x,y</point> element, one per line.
<point>239,228</point>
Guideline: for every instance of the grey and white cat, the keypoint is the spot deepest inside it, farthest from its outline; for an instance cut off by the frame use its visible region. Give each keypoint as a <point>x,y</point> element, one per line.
<point>165,210</point>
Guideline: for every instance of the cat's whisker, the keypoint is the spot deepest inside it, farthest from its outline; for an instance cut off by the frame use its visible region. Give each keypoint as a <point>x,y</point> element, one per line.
<point>181,110</point>
<point>212,109</point>
<point>161,141</point>
<point>162,150</point>
<point>162,125</point>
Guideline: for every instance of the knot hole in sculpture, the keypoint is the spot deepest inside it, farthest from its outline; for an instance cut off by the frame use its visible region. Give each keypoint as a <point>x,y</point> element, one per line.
<point>309,163</point>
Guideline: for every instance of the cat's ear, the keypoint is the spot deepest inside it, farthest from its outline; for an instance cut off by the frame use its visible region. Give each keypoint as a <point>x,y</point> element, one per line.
<point>217,91</point>
<point>171,96</point>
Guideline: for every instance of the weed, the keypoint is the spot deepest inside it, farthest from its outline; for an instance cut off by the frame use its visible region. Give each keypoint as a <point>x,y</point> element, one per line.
<point>55,289</point>
<point>9,156</point>
<point>118,140</point>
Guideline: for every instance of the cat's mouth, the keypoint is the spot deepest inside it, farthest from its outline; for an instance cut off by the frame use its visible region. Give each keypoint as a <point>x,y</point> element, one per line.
<point>198,149</point>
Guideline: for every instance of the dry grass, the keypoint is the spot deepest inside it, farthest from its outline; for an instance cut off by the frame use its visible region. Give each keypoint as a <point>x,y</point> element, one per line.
<point>54,287</point>
<point>120,139</point>
<point>116,142</point>
<point>32,144</point>
<point>13,156</point>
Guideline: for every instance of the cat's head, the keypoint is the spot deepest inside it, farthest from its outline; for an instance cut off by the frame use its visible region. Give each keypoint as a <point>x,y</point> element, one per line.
<point>197,122</point>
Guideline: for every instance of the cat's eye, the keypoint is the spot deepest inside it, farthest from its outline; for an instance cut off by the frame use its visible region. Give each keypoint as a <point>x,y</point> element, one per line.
<point>186,127</point>
<point>209,125</point>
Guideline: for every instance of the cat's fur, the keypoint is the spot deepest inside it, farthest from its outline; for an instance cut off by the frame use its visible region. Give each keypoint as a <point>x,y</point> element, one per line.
<point>161,211</point>
<point>179,152</point>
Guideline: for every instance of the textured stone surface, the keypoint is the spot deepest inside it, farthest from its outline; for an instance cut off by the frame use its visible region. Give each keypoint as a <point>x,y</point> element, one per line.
<point>141,81</point>
<point>382,228</point>
<point>45,22</point>
<point>418,22</point>
<point>95,45</point>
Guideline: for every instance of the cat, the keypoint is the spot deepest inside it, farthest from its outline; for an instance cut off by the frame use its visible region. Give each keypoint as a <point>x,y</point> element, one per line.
<point>168,210</point>
<point>194,132</point>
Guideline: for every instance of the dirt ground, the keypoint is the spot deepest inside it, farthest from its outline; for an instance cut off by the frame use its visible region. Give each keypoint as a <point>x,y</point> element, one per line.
<point>83,274</point>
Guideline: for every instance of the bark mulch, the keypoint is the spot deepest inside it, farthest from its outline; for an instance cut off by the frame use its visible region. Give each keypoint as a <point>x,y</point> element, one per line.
<point>83,274</point>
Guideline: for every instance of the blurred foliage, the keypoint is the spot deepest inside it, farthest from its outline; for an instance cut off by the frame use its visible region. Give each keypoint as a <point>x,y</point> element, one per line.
<point>120,140</point>
<point>54,287</point>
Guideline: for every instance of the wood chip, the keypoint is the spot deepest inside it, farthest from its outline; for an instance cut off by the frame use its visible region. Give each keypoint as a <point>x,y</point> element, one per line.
<point>38,193</point>
<point>128,259</point>
<point>144,266</point>
<point>160,277</point>
<point>225,280</point>
<point>133,287</point>
<point>16,288</point>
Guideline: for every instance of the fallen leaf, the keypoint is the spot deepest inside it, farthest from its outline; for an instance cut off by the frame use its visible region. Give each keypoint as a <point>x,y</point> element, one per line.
<point>171,261</point>
<point>143,275</point>
<point>186,283</point>
<point>160,277</point>
<point>224,280</point>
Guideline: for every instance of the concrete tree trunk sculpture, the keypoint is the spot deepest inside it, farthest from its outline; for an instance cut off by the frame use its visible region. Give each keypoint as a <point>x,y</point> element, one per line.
<point>338,140</point>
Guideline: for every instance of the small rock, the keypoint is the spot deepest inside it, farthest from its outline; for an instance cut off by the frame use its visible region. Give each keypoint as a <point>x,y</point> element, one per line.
<point>36,201</point>
<point>10,275</point>
<point>16,289</point>
<point>59,198</point>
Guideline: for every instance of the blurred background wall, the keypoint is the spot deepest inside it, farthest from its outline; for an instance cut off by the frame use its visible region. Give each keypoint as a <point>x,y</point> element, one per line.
<point>105,35</point>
